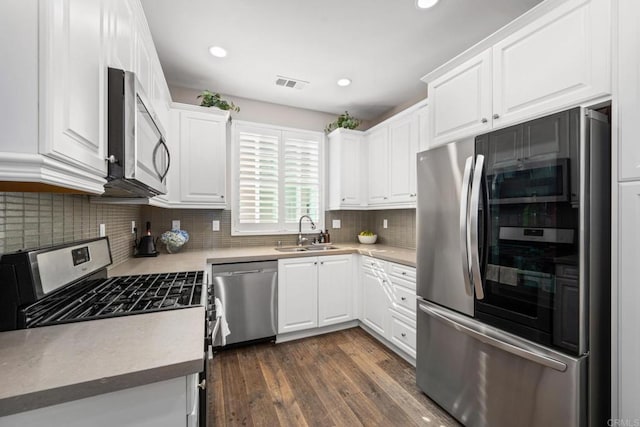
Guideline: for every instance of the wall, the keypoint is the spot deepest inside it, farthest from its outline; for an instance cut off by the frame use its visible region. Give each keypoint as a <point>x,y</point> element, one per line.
<point>32,220</point>
<point>264,112</point>
<point>197,222</point>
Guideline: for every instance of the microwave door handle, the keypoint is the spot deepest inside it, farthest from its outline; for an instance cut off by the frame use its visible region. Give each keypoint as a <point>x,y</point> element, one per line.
<point>476,187</point>
<point>464,225</point>
<point>162,144</point>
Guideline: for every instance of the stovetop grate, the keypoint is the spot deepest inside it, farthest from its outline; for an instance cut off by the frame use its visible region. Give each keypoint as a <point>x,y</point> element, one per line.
<point>117,296</point>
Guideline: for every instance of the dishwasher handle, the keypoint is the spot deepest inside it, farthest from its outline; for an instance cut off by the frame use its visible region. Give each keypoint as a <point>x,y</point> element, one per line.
<point>243,272</point>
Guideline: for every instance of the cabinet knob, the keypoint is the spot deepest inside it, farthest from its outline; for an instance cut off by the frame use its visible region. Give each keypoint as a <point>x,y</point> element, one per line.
<point>202,385</point>
<point>403,298</point>
<point>321,262</point>
<point>484,120</point>
<point>404,273</point>
<point>385,198</point>
<point>496,116</point>
<point>403,335</point>
<point>222,197</point>
<point>344,198</point>
<point>111,159</point>
<point>315,263</point>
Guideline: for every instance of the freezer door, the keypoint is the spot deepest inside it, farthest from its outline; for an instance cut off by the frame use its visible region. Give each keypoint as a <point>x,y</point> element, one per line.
<point>443,259</point>
<point>486,377</point>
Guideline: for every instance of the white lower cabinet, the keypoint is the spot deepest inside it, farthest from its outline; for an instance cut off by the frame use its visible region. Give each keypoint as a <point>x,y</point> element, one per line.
<point>314,291</point>
<point>169,403</point>
<point>389,302</point>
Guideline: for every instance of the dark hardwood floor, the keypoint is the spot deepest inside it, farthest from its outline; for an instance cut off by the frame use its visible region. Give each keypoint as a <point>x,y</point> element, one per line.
<point>346,378</point>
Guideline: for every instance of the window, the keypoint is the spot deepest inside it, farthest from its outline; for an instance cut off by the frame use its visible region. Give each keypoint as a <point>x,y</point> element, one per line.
<point>277,178</point>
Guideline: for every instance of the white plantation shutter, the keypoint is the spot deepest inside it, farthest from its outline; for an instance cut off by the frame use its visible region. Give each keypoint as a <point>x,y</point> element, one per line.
<point>301,177</point>
<point>277,178</point>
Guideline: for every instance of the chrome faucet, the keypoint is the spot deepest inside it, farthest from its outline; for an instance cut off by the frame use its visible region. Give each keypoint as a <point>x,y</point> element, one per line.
<point>313,227</point>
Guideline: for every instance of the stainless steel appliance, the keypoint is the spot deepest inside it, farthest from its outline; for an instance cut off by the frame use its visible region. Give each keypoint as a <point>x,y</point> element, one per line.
<point>513,273</point>
<point>248,293</point>
<point>68,283</point>
<point>138,157</point>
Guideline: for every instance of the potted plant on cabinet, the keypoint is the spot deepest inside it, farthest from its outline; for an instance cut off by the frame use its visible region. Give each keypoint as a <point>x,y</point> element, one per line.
<point>345,120</point>
<point>210,99</point>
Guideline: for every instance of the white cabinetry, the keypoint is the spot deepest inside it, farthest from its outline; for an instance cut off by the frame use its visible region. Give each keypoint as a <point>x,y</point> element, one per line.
<point>628,92</point>
<point>403,146</point>
<point>197,177</point>
<point>628,375</point>
<point>460,101</point>
<point>346,165</point>
<point>314,291</point>
<point>557,61</point>
<point>378,164</point>
<point>389,302</point>
<point>161,404</point>
<point>53,92</point>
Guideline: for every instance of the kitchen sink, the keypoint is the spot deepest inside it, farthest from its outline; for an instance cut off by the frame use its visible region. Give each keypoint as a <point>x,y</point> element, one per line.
<point>306,248</point>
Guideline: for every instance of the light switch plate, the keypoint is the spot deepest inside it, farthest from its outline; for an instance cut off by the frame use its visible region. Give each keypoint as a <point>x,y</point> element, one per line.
<point>336,223</point>
<point>175,224</point>
<point>385,223</point>
<point>133,227</point>
<point>103,230</point>
<point>215,225</point>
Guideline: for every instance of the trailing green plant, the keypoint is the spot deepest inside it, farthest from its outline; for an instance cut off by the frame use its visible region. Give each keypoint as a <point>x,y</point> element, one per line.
<point>345,120</point>
<point>210,99</point>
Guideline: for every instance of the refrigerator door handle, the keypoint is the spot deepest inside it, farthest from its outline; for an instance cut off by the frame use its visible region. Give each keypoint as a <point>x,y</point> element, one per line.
<point>502,344</point>
<point>464,224</point>
<point>476,186</point>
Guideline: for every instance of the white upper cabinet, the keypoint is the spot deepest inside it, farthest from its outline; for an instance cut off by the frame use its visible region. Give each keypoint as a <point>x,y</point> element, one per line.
<point>555,62</point>
<point>403,146</point>
<point>346,169</point>
<point>197,177</point>
<point>460,101</point>
<point>378,155</point>
<point>628,91</point>
<point>122,29</point>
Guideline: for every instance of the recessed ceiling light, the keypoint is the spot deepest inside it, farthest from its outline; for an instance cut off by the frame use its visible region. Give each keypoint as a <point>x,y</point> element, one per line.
<point>425,4</point>
<point>344,82</point>
<point>217,51</point>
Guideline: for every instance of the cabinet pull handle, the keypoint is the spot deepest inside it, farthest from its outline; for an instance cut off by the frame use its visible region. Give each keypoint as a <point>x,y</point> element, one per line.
<point>496,116</point>
<point>484,120</point>
<point>403,335</point>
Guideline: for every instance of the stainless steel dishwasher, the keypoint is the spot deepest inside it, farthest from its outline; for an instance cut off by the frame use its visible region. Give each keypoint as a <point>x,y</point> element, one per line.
<point>248,292</point>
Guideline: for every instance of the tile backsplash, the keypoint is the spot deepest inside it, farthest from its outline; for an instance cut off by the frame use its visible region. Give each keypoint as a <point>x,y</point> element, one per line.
<point>31,220</point>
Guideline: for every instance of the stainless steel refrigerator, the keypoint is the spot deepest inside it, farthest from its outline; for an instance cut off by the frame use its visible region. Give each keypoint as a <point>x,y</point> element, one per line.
<point>513,271</point>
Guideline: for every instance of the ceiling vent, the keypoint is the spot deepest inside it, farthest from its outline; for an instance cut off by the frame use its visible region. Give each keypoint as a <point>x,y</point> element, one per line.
<point>290,83</point>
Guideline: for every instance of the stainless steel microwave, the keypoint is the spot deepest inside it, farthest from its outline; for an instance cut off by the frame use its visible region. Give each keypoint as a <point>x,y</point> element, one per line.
<point>531,182</point>
<point>138,156</point>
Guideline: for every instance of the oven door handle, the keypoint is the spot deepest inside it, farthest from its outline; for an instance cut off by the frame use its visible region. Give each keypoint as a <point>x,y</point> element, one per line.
<point>494,338</point>
<point>476,186</point>
<point>464,225</point>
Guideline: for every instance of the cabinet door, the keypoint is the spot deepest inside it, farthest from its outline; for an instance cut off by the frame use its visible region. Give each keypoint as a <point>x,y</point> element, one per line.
<point>628,298</point>
<point>403,146</point>
<point>423,128</point>
<point>557,61</point>
<point>121,35</point>
<point>628,93</point>
<point>375,301</point>
<point>143,57</point>
<point>74,85</point>
<point>202,158</point>
<point>460,101</point>
<point>378,145</point>
<point>335,289</point>
<point>546,138</point>
<point>297,294</point>
<point>345,160</point>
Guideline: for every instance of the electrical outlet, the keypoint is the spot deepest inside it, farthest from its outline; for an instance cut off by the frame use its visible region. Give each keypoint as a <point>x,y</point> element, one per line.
<point>215,225</point>
<point>385,223</point>
<point>133,227</point>
<point>175,224</point>
<point>103,230</point>
<point>336,223</point>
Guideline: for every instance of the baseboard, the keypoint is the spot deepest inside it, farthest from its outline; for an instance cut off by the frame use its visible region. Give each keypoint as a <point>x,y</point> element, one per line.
<point>291,336</point>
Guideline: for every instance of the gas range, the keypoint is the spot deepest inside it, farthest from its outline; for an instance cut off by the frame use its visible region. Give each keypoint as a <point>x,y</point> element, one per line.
<point>68,284</point>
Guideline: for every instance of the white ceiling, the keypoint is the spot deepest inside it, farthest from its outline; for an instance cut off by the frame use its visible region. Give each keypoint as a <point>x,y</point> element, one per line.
<point>384,46</point>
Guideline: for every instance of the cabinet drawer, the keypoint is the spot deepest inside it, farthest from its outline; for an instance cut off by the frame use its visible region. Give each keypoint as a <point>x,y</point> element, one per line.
<point>403,333</point>
<point>374,264</point>
<point>403,271</point>
<point>404,300</point>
